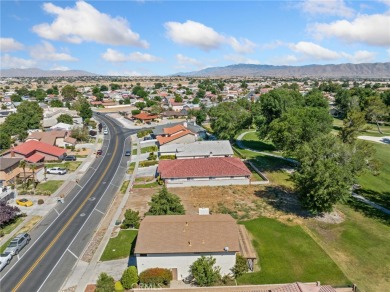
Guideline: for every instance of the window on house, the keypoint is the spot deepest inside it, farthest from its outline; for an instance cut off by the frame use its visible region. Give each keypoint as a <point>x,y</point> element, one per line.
<point>143,255</point>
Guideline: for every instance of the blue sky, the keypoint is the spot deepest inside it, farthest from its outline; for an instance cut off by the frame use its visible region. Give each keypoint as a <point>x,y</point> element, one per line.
<point>165,37</point>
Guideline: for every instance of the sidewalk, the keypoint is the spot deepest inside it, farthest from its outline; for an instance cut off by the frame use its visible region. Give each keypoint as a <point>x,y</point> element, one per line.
<point>65,188</point>
<point>85,273</point>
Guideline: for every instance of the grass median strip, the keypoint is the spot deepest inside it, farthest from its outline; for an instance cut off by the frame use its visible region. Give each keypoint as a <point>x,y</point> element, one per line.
<point>121,246</point>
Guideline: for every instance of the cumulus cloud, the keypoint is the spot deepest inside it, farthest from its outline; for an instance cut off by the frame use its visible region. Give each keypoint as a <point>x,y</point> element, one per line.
<point>46,51</point>
<point>360,57</point>
<point>184,61</point>
<point>310,50</point>
<point>327,7</point>
<point>369,29</point>
<point>8,61</point>
<point>124,73</point>
<point>9,45</point>
<point>114,56</point>
<point>60,68</point>
<point>85,23</point>
<point>240,59</point>
<point>195,34</point>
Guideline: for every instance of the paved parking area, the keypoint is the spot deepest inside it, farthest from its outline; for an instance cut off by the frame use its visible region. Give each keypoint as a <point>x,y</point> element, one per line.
<point>147,171</point>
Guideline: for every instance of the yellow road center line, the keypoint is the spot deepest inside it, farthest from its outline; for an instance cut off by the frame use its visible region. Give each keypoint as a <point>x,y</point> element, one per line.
<point>66,225</point>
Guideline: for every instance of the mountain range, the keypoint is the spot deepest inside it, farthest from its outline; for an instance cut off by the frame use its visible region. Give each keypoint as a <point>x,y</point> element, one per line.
<point>365,70</point>
<point>35,72</point>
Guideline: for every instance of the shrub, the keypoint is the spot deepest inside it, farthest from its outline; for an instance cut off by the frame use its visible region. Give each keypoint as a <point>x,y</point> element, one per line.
<point>144,133</point>
<point>205,272</point>
<point>129,277</point>
<point>147,163</point>
<point>240,267</point>
<point>152,156</point>
<point>167,157</point>
<point>155,276</point>
<point>40,202</point>
<point>131,219</point>
<point>135,112</point>
<point>118,286</point>
<point>105,283</point>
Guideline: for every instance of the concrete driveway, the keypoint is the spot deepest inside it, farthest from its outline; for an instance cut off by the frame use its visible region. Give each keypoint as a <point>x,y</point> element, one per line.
<point>147,171</point>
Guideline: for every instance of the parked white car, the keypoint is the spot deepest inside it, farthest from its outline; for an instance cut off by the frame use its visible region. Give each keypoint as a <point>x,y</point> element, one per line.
<point>56,170</point>
<point>105,132</point>
<point>5,259</point>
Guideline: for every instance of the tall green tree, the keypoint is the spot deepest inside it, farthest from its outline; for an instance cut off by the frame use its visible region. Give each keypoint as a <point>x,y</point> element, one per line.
<point>328,168</point>
<point>227,118</point>
<point>315,98</point>
<point>85,110</point>
<point>69,92</point>
<point>376,110</point>
<point>105,283</point>
<point>353,123</point>
<point>5,139</point>
<point>32,113</point>
<point>204,271</point>
<point>56,103</point>
<point>299,125</point>
<point>65,118</point>
<point>165,203</point>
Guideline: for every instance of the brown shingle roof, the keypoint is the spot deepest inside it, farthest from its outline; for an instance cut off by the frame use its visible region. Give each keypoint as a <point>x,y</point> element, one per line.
<point>187,234</point>
<point>203,167</point>
<point>6,162</point>
<point>48,137</point>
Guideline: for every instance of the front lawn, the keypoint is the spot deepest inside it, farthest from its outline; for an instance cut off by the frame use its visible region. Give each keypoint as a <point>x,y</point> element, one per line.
<point>49,186</point>
<point>121,246</point>
<point>124,186</point>
<point>149,149</point>
<point>69,165</point>
<point>251,140</point>
<point>288,254</point>
<point>146,186</point>
<point>377,188</point>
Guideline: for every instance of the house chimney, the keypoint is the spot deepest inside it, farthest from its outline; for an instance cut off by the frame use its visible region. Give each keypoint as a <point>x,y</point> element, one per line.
<point>189,243</point>
<point>12,152</point>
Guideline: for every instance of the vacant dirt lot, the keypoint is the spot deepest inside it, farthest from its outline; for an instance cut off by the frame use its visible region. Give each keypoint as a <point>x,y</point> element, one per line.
<point>242,202</point>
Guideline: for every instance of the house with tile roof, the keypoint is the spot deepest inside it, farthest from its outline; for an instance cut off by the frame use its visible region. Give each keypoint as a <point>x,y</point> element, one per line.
<point>213,171</point>
<point>36,151</point>
<point>176,134</point>
<point>145,117</point>
<point>185,239</point>
<point>192,126</point>
<point>198,149</point>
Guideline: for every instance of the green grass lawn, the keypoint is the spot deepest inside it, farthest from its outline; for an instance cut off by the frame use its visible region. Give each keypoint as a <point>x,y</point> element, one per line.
<point>124,186</point>
<point>377,188</point>
<point>69,165</point>
<point>149,149</point>
<point>4,246</point>
<point>252,141</point>
<point>288,254</point>
<point>359,245</point>
<point>49,186</point>
<point>121,246</point>
<point>144,179</point>
<point>134,152</point>
<point>147,185</point>
<point>9,227</point>
<point>255,175</point>
<point>371,129</point>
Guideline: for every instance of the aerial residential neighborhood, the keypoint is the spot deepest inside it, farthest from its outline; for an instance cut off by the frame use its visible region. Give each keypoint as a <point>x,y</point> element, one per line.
<point>199,146</point>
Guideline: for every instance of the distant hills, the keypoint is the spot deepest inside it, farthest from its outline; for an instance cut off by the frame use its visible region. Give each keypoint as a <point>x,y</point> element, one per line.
<point>35,72</point>
<point>366,70</point>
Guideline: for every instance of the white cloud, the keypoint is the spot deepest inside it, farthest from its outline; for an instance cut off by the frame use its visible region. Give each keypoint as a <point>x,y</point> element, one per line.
<point>47,51</point>
<point>310,50</point>
<point>284,60</point>
<point>388,52</point>
<point>60,68</point>
<point>326,7</point>
<point>85,23</point>
<point>184,61</point>
<point>240,59</point>
<point>9,45</point>
<point>114,56</point>
<point>8,61</point>
<point>124,73</point>
<point>195,34</point>
<point>360,57</point>
<point>369,29</point>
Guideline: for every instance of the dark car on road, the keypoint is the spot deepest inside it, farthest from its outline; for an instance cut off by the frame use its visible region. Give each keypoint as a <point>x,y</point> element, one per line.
<point>127,153</point>
<point>99,152</point>
<point>70,158</point>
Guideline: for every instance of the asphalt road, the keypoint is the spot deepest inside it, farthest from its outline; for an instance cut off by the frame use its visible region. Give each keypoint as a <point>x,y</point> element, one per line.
<point>60,238</point>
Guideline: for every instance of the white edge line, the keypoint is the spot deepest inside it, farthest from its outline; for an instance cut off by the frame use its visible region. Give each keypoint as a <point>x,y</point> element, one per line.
<point>44,281</point>
<point>99,211</point>
<point>72,253</point>
<point>31,246</point>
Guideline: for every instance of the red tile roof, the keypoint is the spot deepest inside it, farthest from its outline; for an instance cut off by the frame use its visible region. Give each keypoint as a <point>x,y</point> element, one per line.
<point>36,157</point>
<point>163,140</point>
<point>145,116</point>
<point>203,167</point>
<point>174,129</point>
<point>33,145</point>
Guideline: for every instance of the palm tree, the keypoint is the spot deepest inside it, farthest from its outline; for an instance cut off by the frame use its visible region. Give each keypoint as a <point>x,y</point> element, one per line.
<point>22,164</point>
<point>33,167</point>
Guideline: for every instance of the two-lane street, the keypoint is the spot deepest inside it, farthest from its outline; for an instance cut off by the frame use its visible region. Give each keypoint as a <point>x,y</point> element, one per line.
<point>59,240</point>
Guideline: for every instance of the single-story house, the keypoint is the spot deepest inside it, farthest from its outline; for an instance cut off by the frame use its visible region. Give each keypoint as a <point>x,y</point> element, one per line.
<point>9,169</point>
<point>198,149</point>
<point>35,151</point>
<point>145,117</point>
<point>175,242</point>
<point>214,171</point>
<point>58,138</point>
<point>192,126</point>
<point>175,114</point>
<point>176,134</point>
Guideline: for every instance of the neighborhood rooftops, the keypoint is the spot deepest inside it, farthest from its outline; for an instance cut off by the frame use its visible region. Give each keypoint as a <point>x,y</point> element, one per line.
<point>6,162</point>
<point>33,145</point>
<point>203,167</point>
<point>145,117</point>
<point>48,137</point>
<point>194,128</point>
<point>199,148</point>
<point>187,234</point>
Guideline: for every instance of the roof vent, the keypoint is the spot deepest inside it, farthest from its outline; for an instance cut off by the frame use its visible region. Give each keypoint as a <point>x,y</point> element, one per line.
<point>186,223</point>
<point>189,243</point>
<point>226,248</point>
